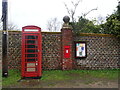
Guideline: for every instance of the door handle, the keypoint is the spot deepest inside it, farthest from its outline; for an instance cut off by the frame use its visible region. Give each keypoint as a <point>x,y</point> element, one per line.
<point>36,63</point>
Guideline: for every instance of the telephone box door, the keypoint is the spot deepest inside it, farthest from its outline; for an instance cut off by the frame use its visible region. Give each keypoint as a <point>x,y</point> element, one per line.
<point>31,52</point>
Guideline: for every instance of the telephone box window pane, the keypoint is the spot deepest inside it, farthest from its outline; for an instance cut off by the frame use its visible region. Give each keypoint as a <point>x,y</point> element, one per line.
<point>31,60</point>
<point>31,70</point>
<point>31,55</point>
<point>31,37</point>
<point>31,46</point>
<point>31,51</point>
<point>30,64</point>
<point>30,41</point>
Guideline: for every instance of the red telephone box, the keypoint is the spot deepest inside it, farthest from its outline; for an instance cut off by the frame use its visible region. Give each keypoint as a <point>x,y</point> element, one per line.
<point>31,52</point>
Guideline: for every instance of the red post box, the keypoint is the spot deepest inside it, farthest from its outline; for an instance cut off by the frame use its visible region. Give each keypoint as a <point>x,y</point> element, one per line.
<point>67,51</point>
<point>31,52</point>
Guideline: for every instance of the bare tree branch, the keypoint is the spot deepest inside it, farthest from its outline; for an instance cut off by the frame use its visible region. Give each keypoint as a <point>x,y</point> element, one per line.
<point>67,9</point>
<point>53,25</point>
<point>11,26</point>
<point>100,20</point>
<point>72,11</point>
<point>85,14</point>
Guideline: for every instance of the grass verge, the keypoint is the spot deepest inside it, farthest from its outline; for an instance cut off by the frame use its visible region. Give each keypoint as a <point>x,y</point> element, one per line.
<point>72,74</point>
<point>13,77</point>
<point>59,75</point>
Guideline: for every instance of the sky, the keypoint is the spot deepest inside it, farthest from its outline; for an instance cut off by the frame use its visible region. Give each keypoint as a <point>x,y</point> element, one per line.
<point>39,12</point>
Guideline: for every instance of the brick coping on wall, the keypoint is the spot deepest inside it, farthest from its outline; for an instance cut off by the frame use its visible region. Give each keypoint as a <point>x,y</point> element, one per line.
<point>96,34</point>
<point>52,32</point>
<point>41,32</point>
<point>81,34</point>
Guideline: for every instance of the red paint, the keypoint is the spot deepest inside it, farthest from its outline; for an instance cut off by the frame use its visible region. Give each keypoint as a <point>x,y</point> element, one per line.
<point>31,51</point>
<point>66,51</point>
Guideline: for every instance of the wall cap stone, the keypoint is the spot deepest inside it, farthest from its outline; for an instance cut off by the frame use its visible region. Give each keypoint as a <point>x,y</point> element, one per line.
<point>41,32</point>
<point>13,31</point>
<point>52,32</point>
<point>96,34</point>
<point>81,34</point>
